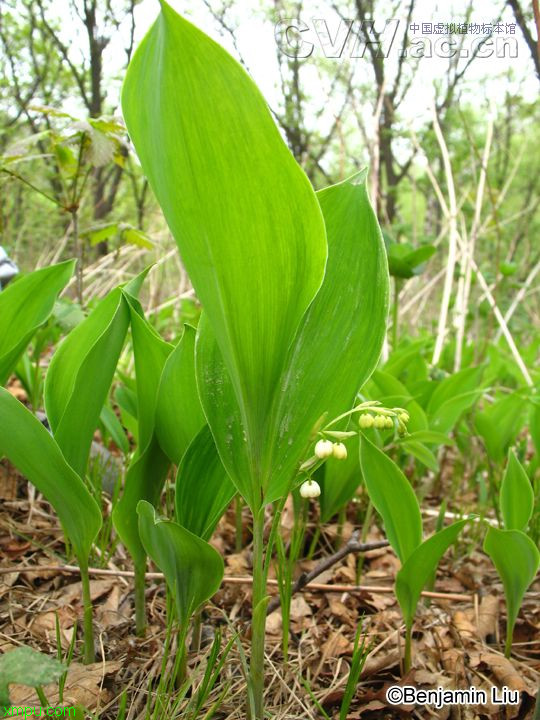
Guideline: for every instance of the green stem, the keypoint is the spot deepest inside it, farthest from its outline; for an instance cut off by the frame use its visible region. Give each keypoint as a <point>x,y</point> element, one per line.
<point>314,542</point>
<point>408,644</point>
<point>180,665</point>
<point>258,622</point>
<point>41,695</point>
<point>238,505</point>
<point>196,632</point>
<point>509,638</point>
<point>365,529</point>
<point>140,599</point>
<point>88,627</point>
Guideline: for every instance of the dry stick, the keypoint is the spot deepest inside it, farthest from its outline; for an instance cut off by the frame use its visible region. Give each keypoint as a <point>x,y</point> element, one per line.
<point>519,297</point>
<point>461,314</point>
<point>353,545</point>
<point>238,580</point>
<point>481,280</point>
<point>452,246</point>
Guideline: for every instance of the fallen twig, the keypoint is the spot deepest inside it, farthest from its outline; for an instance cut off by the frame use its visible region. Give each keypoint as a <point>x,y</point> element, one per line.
<point>353,545</point>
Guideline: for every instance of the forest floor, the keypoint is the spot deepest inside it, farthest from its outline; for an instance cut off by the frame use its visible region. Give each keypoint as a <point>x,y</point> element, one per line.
<point>458,634</point>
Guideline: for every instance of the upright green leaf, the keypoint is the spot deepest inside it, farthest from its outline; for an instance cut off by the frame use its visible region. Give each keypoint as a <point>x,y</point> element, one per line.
<point>420,566</point>
<point>144,480</point>
<point>24,306</point>
<point>192,568</point>
<point>516,558</point>
<point>29,446</point>
<point>147,472</point>
<point>335,350</point>
<point>452,397</point>
<point>151,353</point>
<point>80,375</point>
<point>179,415</point>
<point>393,498</point>
<point>203,488</point>
<point>499,423</point>
<point>340,338</point>
<point>244,216</point>
<point>516,495</point>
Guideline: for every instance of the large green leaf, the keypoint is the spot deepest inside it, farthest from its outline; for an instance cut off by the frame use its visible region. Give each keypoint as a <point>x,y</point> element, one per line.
<point>452,397</point>
<point>203,488</point>
<point>499,423</point>
<point>151,353</point>
<point>192,568</point>
<point>421,452</point>
<point>144,481</point>
<point>516,496</point>
<point>244,216</point>
<point>148,469</point>
<point>340,339</point>
<point>29,446</point>
<point>80,375</point>
<point>516,558</point>
<point>420,566</point>
<point>334,352</point>
<point>179,415</point>
<point>24,306</point>
<point>393,498</point>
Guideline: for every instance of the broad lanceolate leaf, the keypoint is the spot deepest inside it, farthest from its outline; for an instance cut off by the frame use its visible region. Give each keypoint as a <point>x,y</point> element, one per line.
<point>420,452</point>
<point>151,353</point>
<point>340,338</point>
<point>393,498</point>
<point>24,306</point>
<point>499,424</point>
<point>30,447</point>
<point>144,481</point>
<point>516,558</point>
<point>244,216</point>
<point>452,397</point>
<point>420,566</point>
<point>147,472</point>
<point>80,375</point>
<point>192,568</point>
<point>203,488</point>
<point>179,415</point>
<point>335,350</point>
<point>516,496</point>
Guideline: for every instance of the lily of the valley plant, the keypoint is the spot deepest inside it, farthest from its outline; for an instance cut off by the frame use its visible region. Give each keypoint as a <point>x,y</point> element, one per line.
<point>293,283</point>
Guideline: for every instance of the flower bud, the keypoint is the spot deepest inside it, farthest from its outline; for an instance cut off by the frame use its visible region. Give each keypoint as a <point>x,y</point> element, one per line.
<point>379,422</point>
<point>323,449</point>
<point>388,422</point>
<point>404,417</point>
<point>310,489</point>
<point>366,421</point>
<point>339,451</point>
